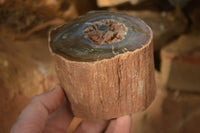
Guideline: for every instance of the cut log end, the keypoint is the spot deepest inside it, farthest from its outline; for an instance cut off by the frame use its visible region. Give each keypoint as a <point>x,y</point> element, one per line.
<point>86,38</point>
<point>110,80</point>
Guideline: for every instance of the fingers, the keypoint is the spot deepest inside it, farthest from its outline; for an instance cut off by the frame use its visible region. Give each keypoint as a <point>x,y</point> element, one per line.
<point>34,117</point>
<point>88,126</point>
<point>59,121</point>
<point>120,125</point>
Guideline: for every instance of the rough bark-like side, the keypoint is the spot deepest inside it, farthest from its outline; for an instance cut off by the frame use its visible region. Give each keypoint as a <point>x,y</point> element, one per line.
<point>109,88</point>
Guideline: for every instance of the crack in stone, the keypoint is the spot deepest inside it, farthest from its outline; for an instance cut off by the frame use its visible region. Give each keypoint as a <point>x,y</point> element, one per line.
<point>119,80</point>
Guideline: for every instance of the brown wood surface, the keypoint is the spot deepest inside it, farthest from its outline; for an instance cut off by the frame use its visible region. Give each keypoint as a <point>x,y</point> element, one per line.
<point>109,88</point>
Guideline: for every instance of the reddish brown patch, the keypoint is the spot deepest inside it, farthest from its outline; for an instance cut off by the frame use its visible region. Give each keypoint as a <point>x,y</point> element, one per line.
<point>186,58</point>
<point>106,31</point>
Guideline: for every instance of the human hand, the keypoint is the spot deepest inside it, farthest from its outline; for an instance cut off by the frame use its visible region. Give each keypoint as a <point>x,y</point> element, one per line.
<point>50,113</point>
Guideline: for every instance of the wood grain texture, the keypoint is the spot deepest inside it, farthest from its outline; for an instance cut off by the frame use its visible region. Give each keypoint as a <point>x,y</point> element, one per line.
<point>109,88</point>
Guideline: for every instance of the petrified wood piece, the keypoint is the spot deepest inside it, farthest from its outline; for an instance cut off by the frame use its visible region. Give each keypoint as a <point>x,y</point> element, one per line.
<point>104,61</point>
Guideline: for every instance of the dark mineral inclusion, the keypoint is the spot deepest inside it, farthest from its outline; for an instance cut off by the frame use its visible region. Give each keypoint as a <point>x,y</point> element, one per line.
<point>99,35</point>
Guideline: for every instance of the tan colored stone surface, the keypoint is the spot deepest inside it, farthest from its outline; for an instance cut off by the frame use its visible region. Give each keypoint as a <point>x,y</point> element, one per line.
<point>26,69</point>
<point>171,112</point>
<point>181,64</point>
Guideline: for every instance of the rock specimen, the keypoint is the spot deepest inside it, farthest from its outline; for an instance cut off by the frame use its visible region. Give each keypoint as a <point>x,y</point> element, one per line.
<point>181,63</point>
<point>162,25</point>
<point>104,61</point>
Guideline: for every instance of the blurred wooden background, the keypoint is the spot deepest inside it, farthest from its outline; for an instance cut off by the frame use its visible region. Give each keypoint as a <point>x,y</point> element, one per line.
<point>27,69</point>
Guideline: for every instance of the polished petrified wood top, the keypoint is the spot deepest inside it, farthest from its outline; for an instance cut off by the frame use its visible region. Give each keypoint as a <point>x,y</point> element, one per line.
<point>99,35</point>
